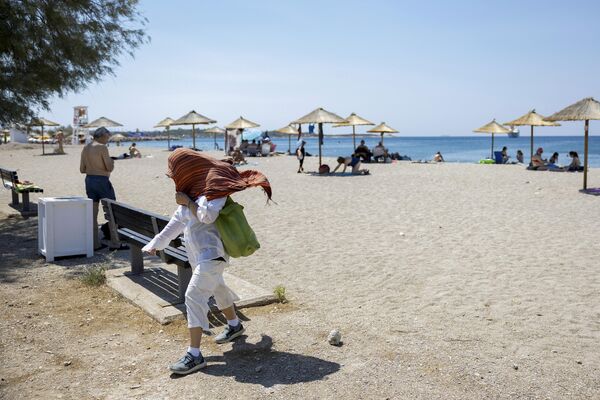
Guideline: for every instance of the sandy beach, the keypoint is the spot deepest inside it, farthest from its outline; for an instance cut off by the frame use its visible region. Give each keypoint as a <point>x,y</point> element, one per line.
<point>448,281</point>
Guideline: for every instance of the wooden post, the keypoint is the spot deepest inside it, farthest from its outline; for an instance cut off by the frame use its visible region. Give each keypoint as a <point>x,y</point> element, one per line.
<point>137,259</point>
<point>184,275</point>
<point>194,136</point>
<point>531,147</point>
<point>168,139</point>
<point>290,144</point>
<point>353,138</point>
<point>320,141</point>
<point>492,153</point>
<point>43,149</point>
<point>382,138</point>
<point>585,154</point>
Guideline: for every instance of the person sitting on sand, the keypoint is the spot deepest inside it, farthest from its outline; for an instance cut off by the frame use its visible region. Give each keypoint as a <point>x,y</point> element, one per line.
<point>238,157</point>
<point>352,161</point>
<point>363,152</point>
<point>520,156</point>
<point>438,157</point>
<point>380,152</point>
<point>537,161</point>
<point>505,155</point>
<point>575,163</point>
<point>134,152</point>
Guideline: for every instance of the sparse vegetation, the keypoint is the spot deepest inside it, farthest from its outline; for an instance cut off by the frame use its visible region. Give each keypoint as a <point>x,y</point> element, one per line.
<point>279,292</point>
<point>94,276</point>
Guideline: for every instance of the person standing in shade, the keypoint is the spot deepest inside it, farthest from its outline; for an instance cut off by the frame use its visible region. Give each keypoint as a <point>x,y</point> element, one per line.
<point>97,165</point>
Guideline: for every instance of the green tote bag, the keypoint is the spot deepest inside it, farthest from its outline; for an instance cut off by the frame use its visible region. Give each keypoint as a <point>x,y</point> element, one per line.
<point>238,237</point>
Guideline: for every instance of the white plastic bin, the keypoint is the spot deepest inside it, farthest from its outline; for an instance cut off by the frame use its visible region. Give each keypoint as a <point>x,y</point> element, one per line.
<point>65,227</point>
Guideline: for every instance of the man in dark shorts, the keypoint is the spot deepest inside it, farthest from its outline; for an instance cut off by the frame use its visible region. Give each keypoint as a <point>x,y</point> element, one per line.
<point>97,165</point>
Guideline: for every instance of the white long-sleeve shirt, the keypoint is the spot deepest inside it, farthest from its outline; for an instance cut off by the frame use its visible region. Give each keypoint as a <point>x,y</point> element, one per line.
<point>202,239</point>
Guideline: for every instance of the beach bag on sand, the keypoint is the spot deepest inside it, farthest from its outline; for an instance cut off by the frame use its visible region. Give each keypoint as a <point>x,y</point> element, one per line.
<point>237,236</point>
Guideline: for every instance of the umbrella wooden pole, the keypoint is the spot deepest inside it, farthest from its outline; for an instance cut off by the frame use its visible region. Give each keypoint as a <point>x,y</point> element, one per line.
<point>43,149</point>
<point>225,141</point>
<point>290,144</point>
<point>382,138</point>
<point>531,147</point>
<point>194,136</point>
<point>168,139</point>
<point>299,131</point>
<point>585,153</point>
<point>215,139</point>
<point>353,138</point>
<point>320,141</point>
<point>492,152</point>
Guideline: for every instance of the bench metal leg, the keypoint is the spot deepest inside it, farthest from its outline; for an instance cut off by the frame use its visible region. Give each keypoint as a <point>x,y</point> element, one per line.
<point>15,198</point>
<point>137,260</point>
<point>25,201</point>
<point>183,276</point>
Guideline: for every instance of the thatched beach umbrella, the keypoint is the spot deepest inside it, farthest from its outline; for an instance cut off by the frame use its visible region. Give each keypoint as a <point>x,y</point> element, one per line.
<point>42,122</point>
<point>166,123</point>
<point>493,128</point>
<point>382,128</point>
<point>215,130</point>
<point>102,122</point>
<point>354,120</point>
<point>117,138</point>
<point>241,123</point>
<point>583,110</point>
<point>320,116</point>
<point>532,119</point>
<point>193,118</point>
<point>290,131</point>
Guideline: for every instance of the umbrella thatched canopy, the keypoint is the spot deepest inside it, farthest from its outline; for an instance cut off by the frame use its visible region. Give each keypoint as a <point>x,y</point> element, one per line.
<point>583,110</point>
<point>493,128</point>
<point>354,120</point>
<point>320,116</point>
<point>382,128</point>
<point>193,118</point>
<point>117,138</point>
<point>166,123</point>
<point>241,123</point>
<point>102,122</point>
<point>532,119</point>
<point>290,131</point>
<point>42,122</point>
<point>215,130</point>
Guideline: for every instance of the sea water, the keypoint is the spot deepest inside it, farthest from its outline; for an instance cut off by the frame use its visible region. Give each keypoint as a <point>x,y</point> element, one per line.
<point>467,149</point>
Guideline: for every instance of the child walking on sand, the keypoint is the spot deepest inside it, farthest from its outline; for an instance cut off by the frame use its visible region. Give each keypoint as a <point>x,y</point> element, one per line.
<point>202,185</point>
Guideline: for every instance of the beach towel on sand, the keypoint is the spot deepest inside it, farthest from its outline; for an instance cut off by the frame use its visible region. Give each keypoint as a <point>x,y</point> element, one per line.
<point>197,174</point>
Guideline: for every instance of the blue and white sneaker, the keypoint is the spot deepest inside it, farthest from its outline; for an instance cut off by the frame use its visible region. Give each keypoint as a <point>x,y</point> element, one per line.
<point>230,333</point>
<point>188,364</point>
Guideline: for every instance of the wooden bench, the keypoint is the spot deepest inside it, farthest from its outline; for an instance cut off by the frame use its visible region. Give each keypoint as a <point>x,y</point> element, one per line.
<point>137,227</point>
<point>10,181</point>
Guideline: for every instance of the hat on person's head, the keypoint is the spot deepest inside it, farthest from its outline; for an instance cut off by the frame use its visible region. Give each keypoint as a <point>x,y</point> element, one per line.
<point>540,150</point>
<point>100,131</point>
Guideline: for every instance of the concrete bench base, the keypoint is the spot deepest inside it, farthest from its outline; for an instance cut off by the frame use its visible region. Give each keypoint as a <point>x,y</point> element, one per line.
<point>156,291</point>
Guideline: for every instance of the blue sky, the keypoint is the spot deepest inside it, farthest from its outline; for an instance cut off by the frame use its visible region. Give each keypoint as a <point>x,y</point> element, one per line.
<point>423,67</point>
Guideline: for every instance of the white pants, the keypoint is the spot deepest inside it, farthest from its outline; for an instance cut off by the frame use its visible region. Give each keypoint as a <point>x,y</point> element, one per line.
<point>207,281</point>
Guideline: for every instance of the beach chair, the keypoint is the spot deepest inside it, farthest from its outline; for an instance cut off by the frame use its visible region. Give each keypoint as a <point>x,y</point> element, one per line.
<point>498,157</point>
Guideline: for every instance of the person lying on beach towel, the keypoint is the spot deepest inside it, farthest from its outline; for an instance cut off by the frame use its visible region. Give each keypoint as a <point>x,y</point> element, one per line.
<point>353,162</point>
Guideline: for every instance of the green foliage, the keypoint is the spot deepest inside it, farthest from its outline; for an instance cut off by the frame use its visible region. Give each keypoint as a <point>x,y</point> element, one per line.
<point>279,293</point>
<point>94,276</point>
<point>51,47</point>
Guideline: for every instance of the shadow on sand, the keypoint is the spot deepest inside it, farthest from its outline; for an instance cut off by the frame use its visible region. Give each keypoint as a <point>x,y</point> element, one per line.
<point>260,364</point>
